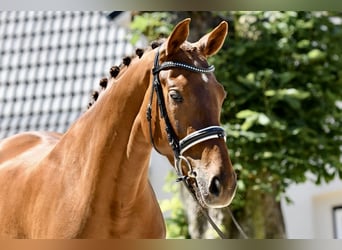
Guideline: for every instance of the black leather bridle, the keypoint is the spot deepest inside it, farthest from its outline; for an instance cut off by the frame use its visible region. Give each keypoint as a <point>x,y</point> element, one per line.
<point>179,146</point>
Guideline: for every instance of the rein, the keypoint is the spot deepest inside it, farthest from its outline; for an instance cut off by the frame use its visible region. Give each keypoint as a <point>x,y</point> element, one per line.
<point>180,146</point>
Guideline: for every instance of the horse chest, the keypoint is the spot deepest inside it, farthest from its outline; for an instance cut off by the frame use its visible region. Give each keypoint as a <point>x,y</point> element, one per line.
<point>143,219</point>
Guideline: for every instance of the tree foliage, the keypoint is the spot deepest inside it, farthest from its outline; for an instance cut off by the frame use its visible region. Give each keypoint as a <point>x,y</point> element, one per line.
<point>282,71</point>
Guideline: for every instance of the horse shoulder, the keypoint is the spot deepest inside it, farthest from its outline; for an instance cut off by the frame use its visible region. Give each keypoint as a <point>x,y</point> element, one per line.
<point>20,144</point>
<point>19,156</point>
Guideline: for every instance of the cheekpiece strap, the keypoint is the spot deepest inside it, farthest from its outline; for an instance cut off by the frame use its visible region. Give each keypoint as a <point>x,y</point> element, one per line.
<point>179,147</point>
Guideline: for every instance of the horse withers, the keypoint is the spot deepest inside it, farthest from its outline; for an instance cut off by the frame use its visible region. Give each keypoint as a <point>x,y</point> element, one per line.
<point>92,181</point>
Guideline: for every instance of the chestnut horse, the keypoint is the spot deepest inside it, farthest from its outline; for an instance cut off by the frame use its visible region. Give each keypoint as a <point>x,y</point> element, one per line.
<point>92,181</point>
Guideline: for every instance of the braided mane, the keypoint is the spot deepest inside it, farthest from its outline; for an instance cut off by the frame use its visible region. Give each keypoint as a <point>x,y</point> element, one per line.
<point>117,71</point>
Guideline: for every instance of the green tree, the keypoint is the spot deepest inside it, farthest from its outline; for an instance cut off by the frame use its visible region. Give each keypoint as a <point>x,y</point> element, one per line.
<point>283,113</point>
<point>282,71</point>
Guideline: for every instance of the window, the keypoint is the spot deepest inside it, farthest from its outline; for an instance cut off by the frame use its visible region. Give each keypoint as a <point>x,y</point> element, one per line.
<point>337,222</point>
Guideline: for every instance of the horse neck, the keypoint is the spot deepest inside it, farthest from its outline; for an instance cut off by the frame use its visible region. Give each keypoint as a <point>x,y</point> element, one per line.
<point>107,142</point>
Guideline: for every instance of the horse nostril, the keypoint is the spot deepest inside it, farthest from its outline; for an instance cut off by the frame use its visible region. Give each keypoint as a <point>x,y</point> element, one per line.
<point>215,186</point>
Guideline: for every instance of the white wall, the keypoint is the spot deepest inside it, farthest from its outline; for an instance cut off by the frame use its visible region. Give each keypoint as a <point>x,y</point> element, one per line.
<point>159,168</point>
<point>311,214</point>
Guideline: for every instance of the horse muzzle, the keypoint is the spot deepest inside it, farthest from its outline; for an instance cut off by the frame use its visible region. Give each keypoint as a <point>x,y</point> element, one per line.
<point>215,193</point>
<point>213,185</point>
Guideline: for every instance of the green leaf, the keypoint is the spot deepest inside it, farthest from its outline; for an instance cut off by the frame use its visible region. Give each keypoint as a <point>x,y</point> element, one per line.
<point>249,79</point>
<point>252,117</point>
<point>305,43</point>
<point>249,122</point>
<point>287,77</point>
<point>267,154</point>
<point>270,93</point>
<point>140,23</point>
<point>291,92</point>
<point>263,119</point>
<point>294,103</point>
<point>245,114</point>
<point>316,55</point>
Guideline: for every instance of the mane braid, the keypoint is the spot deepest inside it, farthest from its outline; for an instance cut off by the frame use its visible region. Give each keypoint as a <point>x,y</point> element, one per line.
<point>127,60</point>
<point>157,43</point>
<point>139,52</point>
<point>103,83</point>
<point>115,71</point>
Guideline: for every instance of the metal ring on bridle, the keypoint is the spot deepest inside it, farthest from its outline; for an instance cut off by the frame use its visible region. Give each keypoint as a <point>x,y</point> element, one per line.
<point>212,132</point>
<point>178,164</point>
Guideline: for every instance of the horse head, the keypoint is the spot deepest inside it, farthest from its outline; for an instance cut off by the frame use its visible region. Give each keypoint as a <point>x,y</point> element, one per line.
<point>189,100</point>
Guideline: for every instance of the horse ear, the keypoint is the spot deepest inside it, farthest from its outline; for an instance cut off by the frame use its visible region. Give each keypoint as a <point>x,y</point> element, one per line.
<point>212,42</point>
<point>178,36</point>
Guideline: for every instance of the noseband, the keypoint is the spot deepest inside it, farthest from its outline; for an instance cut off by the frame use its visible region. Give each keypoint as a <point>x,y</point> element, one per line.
<point>179,146</point>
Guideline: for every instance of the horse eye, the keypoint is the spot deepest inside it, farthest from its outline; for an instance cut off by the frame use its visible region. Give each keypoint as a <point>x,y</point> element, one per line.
<point>176,96</point>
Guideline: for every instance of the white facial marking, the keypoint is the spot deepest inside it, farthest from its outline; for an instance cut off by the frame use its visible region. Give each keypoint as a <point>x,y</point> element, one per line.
<point>204,77</point>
